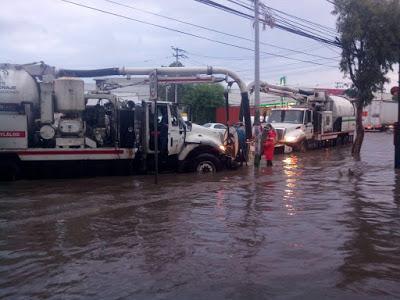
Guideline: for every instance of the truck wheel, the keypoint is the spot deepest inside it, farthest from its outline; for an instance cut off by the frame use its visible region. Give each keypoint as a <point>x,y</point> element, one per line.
<point>207,163</point>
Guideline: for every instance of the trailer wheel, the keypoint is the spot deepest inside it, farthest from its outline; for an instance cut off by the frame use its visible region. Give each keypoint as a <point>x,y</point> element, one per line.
<point>9,170</point>
<point>207,163</point>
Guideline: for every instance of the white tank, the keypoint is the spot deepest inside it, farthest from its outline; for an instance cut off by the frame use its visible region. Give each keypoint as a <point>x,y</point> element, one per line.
<point>341,107</point>
<point>17,86</point>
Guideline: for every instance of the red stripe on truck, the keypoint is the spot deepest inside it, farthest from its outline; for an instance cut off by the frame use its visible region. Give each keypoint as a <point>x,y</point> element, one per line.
<point>70,152</point>
<point>12,134</point>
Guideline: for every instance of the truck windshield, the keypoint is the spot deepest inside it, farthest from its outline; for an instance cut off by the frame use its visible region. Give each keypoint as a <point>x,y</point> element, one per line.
<point>286,116</point>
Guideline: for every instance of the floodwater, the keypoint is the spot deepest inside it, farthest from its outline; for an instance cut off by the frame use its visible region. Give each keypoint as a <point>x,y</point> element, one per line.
<point>314,226</point>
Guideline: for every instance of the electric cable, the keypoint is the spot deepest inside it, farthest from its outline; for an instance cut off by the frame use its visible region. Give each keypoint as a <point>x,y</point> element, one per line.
<point>183,32</point>
<point>210,29</point>
<point>280,26</point>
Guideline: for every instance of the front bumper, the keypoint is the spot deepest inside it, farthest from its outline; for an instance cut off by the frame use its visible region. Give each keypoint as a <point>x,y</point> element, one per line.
<point>282,148</point>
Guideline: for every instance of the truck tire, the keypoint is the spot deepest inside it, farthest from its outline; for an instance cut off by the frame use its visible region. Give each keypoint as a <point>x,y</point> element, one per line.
<point>207,163</point>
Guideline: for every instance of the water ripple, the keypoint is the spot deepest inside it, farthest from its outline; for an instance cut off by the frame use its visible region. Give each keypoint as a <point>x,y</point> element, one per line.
<point>316,225</point>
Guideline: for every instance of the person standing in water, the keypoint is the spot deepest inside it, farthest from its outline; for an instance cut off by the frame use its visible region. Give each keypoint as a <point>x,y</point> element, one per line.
<point>269,144</point>
<point>242,142</point>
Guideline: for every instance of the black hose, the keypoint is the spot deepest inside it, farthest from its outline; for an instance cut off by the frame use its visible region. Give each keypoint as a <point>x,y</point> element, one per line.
<point>226,95</point>
<point>88,73</point>
<point>246,114</point>
<point>307,93</point>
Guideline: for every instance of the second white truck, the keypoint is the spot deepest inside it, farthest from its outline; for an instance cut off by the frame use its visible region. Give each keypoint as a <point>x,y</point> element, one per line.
<point>317,120</point>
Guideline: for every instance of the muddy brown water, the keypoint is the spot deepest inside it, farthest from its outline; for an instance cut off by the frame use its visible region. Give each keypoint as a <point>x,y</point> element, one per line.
<point>317,225</point>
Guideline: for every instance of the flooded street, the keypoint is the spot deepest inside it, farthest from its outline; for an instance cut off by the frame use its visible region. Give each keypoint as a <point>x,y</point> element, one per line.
<point>316,225</point>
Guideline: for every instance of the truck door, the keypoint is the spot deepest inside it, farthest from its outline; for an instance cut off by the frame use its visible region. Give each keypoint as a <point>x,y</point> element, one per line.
<point>162,129</point>
<point>175,131</point>
<point>308,123</point>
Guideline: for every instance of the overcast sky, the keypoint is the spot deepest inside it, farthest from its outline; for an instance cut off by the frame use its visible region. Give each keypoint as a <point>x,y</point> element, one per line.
<point>67,36</point>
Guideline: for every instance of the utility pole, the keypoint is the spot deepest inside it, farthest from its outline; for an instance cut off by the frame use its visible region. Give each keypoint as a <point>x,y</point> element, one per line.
<point>178,53</point>
<point>257,129</point>
<point>256,64</point>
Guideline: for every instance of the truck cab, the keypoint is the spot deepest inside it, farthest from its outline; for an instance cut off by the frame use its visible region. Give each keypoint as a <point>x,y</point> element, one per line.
<point>182,143</point>
<point>293,126</point>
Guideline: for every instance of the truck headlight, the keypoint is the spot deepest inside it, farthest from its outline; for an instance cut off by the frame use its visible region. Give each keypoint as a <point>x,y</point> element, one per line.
<point>291,139</point>
<point>222,148</point>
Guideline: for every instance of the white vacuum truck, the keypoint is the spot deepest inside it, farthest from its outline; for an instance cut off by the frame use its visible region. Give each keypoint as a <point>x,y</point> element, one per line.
<point>317,120</point>
<point>49,124</point>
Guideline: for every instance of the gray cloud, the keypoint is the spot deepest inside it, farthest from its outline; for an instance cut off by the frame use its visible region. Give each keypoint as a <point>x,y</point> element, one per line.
<point>67,36</point>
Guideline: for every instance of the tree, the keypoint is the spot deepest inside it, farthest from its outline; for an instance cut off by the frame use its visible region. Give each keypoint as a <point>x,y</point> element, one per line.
<point>365,28</point>
<point>203,100</point>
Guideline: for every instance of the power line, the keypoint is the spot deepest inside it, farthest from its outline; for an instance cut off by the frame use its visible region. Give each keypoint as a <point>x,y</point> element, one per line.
<point>294,71</point>
<point>332,49</point>
<point>156,25</point>
<point>183,32</point>
<point>280,26</point>
<point>265,73</point>
<point>243,66</point>
<point>298,23</point>
<point>311,25</point>
<point>273,68</point>
<point>240,4</point>
<point>301,19</point>
<point>252,58</point>
<point>305,28</point>
<point>220,57</point>
<point>211,29</point>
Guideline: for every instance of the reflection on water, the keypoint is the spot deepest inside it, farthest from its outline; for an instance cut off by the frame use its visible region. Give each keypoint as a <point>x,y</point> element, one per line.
<point>292,172</point>
<point>373,220</point>
<point>315,225</point>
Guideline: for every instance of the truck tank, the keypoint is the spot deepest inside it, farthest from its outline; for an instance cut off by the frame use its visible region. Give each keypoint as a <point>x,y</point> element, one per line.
<point>17,86</point>
<point>341,107</point>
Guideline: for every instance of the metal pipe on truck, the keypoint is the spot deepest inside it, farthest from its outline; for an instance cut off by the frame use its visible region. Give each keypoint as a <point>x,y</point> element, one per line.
<point>181,71</point>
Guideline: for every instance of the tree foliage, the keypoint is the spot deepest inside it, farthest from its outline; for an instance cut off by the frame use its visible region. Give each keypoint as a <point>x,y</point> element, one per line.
<point>368,52</point>
<point>203,99</point>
